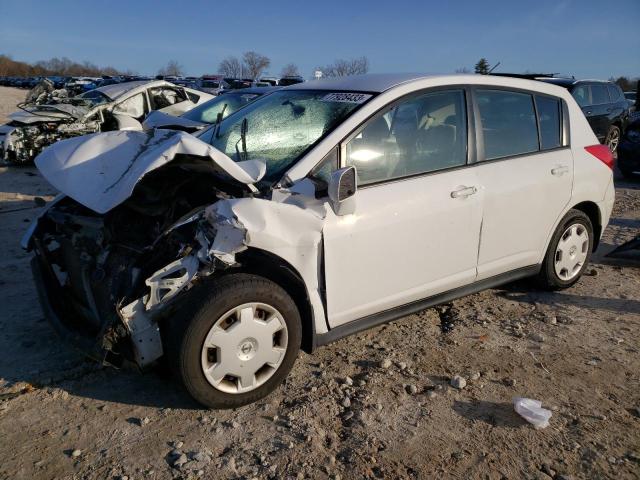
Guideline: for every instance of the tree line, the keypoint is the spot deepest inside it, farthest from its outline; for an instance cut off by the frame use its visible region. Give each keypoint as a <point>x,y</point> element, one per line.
<point>54,66</point>
<point>253,65</point>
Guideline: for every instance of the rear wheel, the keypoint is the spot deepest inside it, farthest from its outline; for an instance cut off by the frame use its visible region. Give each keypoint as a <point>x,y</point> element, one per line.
<point>237,343</point>
<point>613,139</point>
<point>569,251</point>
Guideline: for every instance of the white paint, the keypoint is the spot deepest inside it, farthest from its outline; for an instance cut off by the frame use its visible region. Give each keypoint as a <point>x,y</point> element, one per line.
<point>100,170</point>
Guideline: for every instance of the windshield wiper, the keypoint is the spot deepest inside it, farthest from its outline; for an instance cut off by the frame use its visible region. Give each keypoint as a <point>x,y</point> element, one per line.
<point>244,126</point>
<point>216,128</point>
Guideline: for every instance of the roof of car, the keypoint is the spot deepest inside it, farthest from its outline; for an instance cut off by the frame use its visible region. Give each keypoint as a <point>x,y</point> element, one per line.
<point>114,91</point>
<point>568,82</point>
<point>371,82</point>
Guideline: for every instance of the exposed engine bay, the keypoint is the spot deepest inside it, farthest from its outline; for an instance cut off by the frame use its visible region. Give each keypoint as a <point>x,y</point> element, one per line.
<point>94,262</point>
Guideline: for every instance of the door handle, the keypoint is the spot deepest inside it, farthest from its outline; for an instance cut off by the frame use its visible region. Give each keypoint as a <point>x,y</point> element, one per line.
<point>463,192</point>
<point>560,170</point>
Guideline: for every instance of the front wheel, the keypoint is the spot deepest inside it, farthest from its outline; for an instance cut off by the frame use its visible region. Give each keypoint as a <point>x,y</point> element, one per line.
<point>237,343</point>
<point>568,253</point>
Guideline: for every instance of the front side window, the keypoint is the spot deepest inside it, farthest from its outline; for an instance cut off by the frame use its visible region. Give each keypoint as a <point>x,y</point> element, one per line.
<point>599,95</point>
<point>279,128</point>
<point>509,124</point>
<point>423,134</point>
<point>549,118</point>
<point>162,97</point>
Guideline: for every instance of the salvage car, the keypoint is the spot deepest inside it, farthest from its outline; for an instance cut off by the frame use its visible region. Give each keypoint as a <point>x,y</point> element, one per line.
<point>315,212</point>
<point>207,113</point>
<point>112,107</point>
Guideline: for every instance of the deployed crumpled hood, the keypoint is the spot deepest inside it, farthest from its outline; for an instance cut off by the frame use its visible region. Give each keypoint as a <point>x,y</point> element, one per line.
<point>101,170</point>
<point>48,113</point>
<point>157,119</point>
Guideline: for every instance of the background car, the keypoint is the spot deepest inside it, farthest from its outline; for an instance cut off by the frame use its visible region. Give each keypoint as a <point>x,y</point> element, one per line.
<point>207,113</point>
<point>629,151</point>
<point>120,106</point>
<point>291,80</point>
<point>604,105</point>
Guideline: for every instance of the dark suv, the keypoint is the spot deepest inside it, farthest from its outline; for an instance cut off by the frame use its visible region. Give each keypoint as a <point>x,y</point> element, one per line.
<point>604,105</point>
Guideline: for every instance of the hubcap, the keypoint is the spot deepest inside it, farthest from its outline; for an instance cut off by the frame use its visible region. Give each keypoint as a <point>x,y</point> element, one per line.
<point>614,139</point>
<point>572,250</point>
<point>244,348</point>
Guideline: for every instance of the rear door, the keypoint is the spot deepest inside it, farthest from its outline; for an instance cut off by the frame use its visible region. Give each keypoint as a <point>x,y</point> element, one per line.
<point>599,110</point>
<point>525,172</point>
<point>582,94</point>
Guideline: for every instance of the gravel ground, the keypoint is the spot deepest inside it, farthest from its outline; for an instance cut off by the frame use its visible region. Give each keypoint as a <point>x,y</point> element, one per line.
<point>376,405</point>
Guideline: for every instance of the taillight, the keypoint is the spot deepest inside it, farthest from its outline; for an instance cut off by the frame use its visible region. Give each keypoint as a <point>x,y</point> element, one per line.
<point>602,153</point>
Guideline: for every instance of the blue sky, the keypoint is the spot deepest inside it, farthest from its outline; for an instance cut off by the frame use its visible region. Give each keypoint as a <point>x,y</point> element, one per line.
<point>588,38</point>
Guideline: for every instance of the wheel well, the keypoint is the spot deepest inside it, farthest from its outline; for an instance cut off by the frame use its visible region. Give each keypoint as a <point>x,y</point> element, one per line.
<point>593,212</point>
<point>274,268</point>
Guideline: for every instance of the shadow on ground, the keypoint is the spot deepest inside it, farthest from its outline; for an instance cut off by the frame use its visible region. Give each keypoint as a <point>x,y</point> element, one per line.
<point>494,413</point>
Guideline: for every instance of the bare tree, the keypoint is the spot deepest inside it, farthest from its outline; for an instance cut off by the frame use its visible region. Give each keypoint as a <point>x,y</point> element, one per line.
<point>173,69</point>
<point>230,67</point>
<point>289,70</point>
<point>342,67</point>
<point>462,70</point>
<point>254,64</point>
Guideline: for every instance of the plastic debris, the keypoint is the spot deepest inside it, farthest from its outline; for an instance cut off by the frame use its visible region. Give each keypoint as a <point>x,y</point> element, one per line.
<point>532,411</point>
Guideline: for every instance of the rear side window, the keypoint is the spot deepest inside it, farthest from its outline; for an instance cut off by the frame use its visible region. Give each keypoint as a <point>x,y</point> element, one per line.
<point>581,94</point>
<point>549,118</point>
<point>614,93</point>
<point>599,95</point>
<point>509,124</point>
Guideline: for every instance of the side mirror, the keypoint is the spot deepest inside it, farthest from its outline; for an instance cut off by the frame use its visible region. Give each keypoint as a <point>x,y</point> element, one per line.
<point>342,190</point>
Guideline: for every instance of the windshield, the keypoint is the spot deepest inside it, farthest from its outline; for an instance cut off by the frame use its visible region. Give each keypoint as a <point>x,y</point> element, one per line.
<point>208,112</point>
<point>279,128</point>
<point>91,99</point>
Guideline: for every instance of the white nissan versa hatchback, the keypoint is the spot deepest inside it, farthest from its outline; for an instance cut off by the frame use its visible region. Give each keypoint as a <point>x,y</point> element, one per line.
<point>315,212</point>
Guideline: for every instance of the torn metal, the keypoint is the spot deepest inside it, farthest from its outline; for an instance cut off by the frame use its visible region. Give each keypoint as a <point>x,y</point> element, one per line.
<point>196,212</point>
<point>50,115</point>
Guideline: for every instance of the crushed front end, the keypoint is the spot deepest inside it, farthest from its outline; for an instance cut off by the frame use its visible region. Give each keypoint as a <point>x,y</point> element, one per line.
<point>107,281</point>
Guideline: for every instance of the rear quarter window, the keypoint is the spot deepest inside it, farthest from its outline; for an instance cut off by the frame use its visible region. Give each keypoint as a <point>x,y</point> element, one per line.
<point>509,125</point>
<point>599,94</point>
<point>550,121</point>
<point>615,94</point>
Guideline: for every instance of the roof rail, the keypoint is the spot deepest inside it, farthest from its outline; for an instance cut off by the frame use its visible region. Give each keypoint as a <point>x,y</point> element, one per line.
<point>533,76</point>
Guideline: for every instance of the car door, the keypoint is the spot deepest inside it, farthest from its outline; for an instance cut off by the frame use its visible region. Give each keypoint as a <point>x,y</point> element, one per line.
<point>415,229</point>
<point>526,176</point>
<point>599,110</point>
<point>582,94</point>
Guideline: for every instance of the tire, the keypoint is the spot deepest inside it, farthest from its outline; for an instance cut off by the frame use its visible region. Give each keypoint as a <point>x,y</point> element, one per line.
<point>549,278</point>
<point>185,336</point>
<point>628,174</point>
<point>613,139</point>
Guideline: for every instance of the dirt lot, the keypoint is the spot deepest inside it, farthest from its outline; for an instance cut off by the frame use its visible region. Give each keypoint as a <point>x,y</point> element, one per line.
<point>377,405</point>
